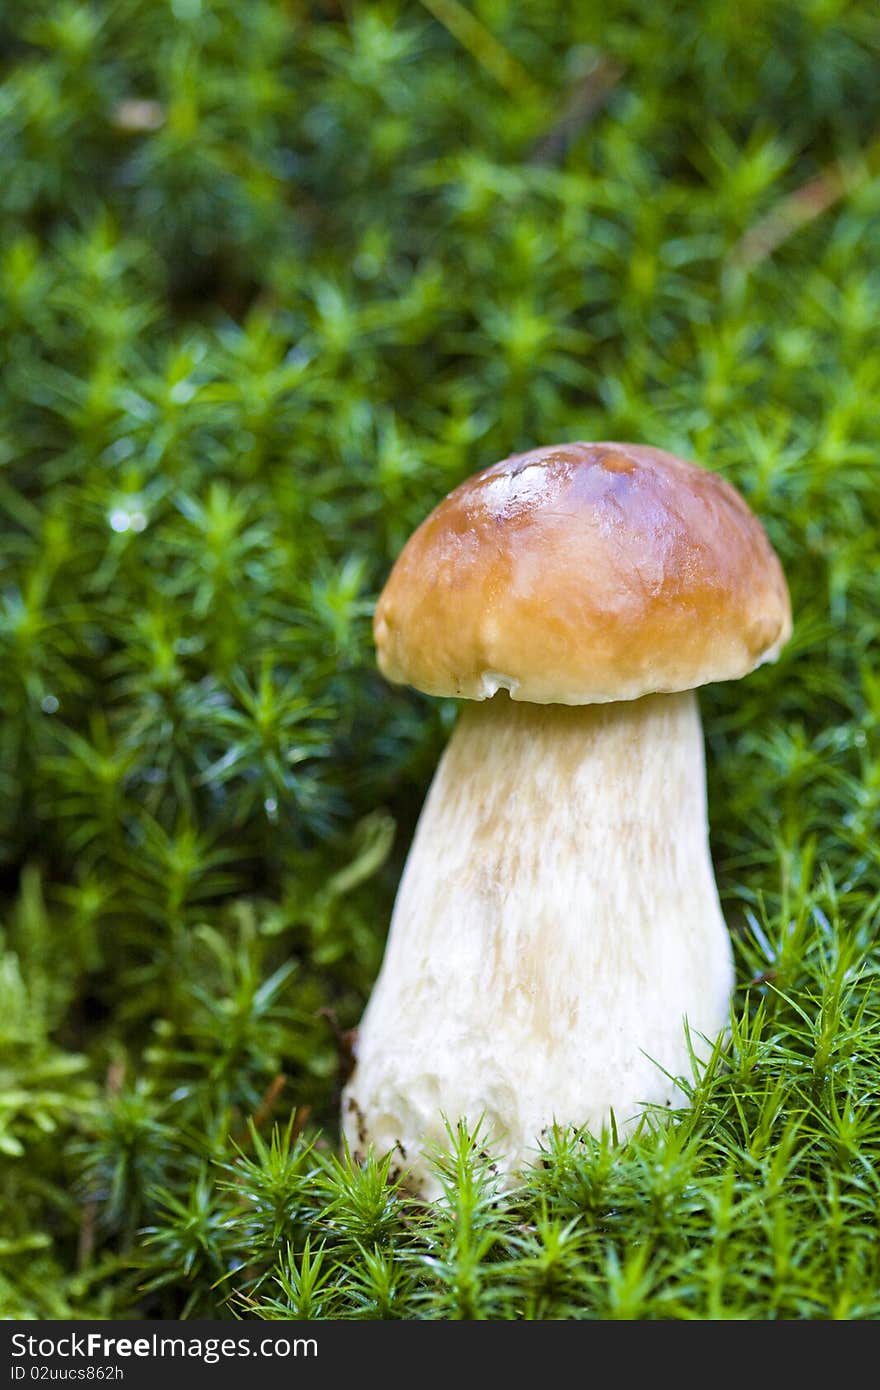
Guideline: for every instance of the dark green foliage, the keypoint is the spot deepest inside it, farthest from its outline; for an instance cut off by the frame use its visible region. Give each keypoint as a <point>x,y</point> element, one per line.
<point>273,277</point>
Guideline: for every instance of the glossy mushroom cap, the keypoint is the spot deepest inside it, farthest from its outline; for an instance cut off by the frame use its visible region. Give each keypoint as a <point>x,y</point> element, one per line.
<point>583,573</point>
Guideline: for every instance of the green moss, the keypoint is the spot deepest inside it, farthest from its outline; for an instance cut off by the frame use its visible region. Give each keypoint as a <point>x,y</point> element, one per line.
<point>271,281</point>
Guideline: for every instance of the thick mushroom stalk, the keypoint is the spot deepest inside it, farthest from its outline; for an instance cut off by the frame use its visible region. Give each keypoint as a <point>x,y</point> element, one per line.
<point>557,938</point>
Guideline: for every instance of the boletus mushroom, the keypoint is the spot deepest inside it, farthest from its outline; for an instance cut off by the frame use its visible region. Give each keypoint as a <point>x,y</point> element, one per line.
<point>557,947</point>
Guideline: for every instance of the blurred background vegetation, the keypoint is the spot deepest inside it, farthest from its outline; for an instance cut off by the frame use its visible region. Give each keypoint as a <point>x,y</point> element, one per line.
<point>274,276</point>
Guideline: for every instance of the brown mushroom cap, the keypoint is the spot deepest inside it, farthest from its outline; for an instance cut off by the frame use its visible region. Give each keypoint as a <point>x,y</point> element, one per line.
<point>581,573</point>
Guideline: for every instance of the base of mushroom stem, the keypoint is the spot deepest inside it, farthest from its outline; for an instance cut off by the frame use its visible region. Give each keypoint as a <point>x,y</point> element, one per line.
<point>415,1170</point>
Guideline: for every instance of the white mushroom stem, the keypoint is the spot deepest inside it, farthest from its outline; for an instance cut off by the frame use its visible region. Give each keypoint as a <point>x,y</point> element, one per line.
<point>556,927</point>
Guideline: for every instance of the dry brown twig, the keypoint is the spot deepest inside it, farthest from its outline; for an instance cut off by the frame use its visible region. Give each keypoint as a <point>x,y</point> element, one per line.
<point>794,211</point>
<point>586,97</point>
<point>113,1084</point>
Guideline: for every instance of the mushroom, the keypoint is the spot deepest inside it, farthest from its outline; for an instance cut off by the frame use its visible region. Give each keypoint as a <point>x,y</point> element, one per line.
<point>557,952</point>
